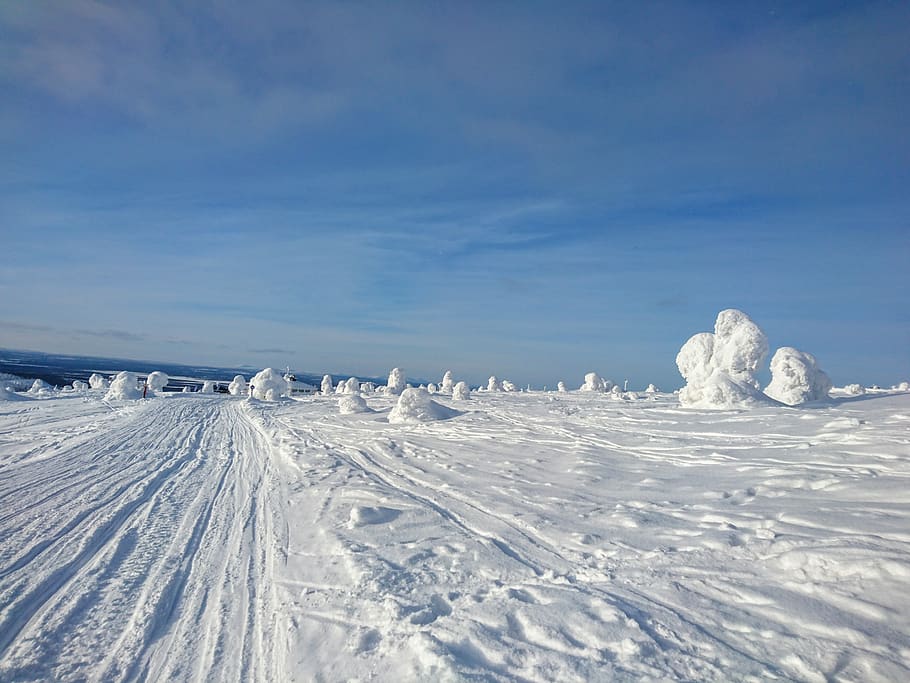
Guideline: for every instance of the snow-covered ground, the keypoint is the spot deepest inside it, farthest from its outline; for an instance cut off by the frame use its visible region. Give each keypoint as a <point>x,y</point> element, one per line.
<point>531,537</point>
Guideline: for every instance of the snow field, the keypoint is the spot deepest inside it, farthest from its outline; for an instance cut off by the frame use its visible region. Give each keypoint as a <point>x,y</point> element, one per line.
<point>560,536</point>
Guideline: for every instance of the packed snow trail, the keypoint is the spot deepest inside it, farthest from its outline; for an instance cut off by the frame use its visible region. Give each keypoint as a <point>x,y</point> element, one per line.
<point>141,550</point>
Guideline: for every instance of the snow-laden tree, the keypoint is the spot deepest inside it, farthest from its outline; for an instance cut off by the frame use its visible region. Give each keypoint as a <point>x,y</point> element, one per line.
<point>269,385</point>
<point>593,382</point>
<point>509,386</point>
<point>652,389</point>
<point>157,380</point>
<point>796,377</point>
<point>97,381</point>
<point>415,405</point>
<point>460,392</point>
<point>238,386</point>
<point>561,387</point>
<point>350,404</point>
<point>855,389</point>
<point>352,386</point>
<point>447,385</point>
<point>125,387</point>
<point>396,383</point>
<point>493,384</point>
<point>326,387</point>
<point>208,387</point>
<point>432,388</point>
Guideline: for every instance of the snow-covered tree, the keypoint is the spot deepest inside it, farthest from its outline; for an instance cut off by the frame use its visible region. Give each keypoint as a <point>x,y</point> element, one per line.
<point>269,385</point>
<point>396,383</point>
<point>796,377</point>
<point>561,387</point>
<point>208,387</point>
<point>326,387</point>
<point>447,385</point>
<point>460,392</point>
<point>508,386</point>
<point>352,386</point>
<point>125,387</point>
<point>97,381</point>
<point>593,382</point>
<point>238,386</point>
<point>157,381</point>
<point>493,384</point>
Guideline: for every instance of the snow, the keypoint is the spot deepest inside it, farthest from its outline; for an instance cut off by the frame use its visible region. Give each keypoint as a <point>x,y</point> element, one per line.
<point>238,386</point>
<point>396,383</point>
<point>326,386</point>
<point>719,368</point>
<point>536,537</point>
<point>7,395</point>
<point>854,389</point>
<point>593,382</point>
<point>157,381</point>
<point>561,387</point>
<point>350,404</point>
<point>125,387</point>
<point>652,389</point>
<point>269,385</point>
<point>796,377</point>
<point>493,384</point>
<point>352,386</point>
<point>415,405</point>
<point>97,381</point>
<point>508,386</point>
<point>208,387</point>
<point>80,386</point>
<point>461,392</point>
<point>448,384</point>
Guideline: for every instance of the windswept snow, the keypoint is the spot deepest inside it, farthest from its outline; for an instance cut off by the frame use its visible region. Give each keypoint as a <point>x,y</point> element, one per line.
<point>537,537</point>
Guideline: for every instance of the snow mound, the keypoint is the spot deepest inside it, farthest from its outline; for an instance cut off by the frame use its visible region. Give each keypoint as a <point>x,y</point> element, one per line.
<point>415,405</point>
<point>238,386</point>
<point>124,387</point>
<point>448,385</point>
<point>350,404</point>
<point>326,386</point>
<point>7,395</point>
<point>719,368</point>
<point>208,387</point>
<point>269,385</point>
<point>796,377</point>
<point>396,384</point>
<point>593,382</point>
<point>97,381</point>
<point>854,390</point>
<point>157,381</point>
<point>460,392</point>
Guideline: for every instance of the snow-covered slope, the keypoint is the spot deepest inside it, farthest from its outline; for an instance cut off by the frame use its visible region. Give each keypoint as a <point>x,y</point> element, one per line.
<point>534,537</point>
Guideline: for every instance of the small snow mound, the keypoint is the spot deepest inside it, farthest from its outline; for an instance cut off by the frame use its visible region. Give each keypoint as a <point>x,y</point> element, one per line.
<point>157,381</point>
<point>269,385</point>
<point>238,386</point>
<point>350,404</point>
<point>97,381</point>
<point>396,384</point>
<point>363,515</point>
<point>415,405</point>
<point>854,390</point>
<point>7,395</point>
<point>124,387</point>
<point>460,392</point>
<point>796,377</point>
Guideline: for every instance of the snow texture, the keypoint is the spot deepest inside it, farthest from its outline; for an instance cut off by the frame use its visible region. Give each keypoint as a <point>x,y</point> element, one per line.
<point>415,405</point>
<point>326,386</point>
<point>349,404</point>
<point>396,383</point>
<point>238,386</point>
<point>461,392</point>
<point>269,385</point>
<point>719,368</point>
<point>448,384</point>
<point>97,381</point>
<point>796,377</point>
<point>157,381</point>
<point>124,387</point>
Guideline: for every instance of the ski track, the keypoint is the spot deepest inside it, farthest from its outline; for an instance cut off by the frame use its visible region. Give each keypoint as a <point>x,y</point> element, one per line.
<point>532,538</point>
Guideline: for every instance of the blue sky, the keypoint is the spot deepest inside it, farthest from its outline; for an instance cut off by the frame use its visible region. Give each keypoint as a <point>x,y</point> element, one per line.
<point>530,189</point>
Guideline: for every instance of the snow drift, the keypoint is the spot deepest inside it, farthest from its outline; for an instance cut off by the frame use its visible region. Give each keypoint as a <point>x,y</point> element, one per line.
<point>415,405</point>
<point>719,368</point>
<point>796,377</point>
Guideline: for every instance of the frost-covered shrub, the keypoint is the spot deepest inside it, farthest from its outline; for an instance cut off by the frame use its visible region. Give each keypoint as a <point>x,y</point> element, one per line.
<point>269,385</point>
<point>460,392</point>
<point>352,386</point>
<point>349,404</point>
<point>719,368</point>
<point>415,405</point>
<point>40,387</point>
<point>796,377</point>
<point>593,382</point>
<point>493,384</point>
<point>80,386</point>
<point>448,384</point>
<point>367,388</point>
<point>238,386</point>
<point>157,381</point>
<point>326,387</point>
<point>508,386</point>
<point>97,381</point>
<point>208,387</point>
<point>124,387</point>
<point>561,387</point>
<point>396,383</point>
<point>854,389</point>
